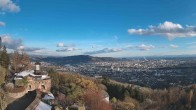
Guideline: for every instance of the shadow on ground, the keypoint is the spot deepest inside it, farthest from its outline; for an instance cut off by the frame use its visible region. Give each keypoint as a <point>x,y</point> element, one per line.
<point>23,102</point>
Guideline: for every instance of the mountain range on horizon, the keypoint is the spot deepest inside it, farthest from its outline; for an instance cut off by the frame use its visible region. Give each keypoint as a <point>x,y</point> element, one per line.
<point>73,59</point>
<point>89,59</point>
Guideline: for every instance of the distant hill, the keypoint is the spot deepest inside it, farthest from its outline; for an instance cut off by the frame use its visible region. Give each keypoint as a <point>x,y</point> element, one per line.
<point>72,59</point>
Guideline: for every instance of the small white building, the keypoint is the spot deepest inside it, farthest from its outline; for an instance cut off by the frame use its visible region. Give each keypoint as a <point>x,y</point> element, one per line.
<point>43,106</point>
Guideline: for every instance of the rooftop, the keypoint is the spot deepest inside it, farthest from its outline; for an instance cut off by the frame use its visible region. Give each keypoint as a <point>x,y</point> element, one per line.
<point>30,73</point>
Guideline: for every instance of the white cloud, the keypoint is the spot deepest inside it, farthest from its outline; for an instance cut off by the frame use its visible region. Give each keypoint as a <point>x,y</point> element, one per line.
<point>2,23</point>
<point>60,44</point>
<point>144,47</point>
<point>17,44</point>
<point>129,46</point>
<point>66,49</point>
<point>11,43</point>
<point>21,47</point>
<point>173,46</point>
<point>141,47</point>
<point>30,49</point>
<point>9,6</point>
<point>105,50</point>
<point>167,29</point>
<point>44,52</point>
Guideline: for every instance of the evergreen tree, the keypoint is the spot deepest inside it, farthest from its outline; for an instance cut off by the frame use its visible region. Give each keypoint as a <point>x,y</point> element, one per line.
<point>4,58</point>
<point>2,75</point>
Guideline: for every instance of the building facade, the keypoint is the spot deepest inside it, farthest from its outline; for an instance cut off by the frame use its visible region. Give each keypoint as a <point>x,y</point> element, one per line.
<point>35,79</point>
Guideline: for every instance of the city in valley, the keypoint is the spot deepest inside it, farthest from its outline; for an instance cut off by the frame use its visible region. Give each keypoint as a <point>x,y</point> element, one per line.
<point>153,72</point>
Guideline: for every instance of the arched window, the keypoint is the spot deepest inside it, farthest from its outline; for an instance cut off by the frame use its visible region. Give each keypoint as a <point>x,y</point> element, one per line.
<point>43,87</point>
<point>29,87</point>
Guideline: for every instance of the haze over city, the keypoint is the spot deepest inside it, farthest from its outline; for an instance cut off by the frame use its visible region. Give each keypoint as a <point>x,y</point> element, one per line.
<point>99,27</point>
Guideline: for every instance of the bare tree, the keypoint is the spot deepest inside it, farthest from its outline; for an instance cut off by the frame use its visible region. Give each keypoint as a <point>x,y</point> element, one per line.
<point>20,62</point>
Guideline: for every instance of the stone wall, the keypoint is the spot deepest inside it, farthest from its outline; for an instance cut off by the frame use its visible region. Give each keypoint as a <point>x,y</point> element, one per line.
<point>17,94</point>
<point>42,85</point>
<point>33,84</point>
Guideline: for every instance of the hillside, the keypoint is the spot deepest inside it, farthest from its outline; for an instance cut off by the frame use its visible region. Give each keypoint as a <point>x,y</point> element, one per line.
<point>72,89</point>
<point>132,97</point>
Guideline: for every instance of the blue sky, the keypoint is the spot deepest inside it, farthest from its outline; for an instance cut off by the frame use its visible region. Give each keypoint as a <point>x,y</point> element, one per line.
<point>115,28</point>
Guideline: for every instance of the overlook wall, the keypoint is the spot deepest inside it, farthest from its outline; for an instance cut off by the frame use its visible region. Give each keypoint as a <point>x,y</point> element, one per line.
<point>35,102</point>
<point>17,94</point>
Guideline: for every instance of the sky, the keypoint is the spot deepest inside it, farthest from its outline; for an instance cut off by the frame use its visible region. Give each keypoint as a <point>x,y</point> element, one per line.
<point>106,28</point>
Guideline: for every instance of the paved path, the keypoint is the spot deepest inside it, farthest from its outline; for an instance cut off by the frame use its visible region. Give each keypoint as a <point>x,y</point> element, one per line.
<point>23,102</point>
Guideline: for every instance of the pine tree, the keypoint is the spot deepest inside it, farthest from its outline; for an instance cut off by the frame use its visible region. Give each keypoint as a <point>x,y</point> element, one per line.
<point>2,75</point>
<point>4,58</point>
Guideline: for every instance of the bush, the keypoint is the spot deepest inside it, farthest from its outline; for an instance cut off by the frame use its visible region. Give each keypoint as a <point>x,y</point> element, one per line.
<point>113,100</point>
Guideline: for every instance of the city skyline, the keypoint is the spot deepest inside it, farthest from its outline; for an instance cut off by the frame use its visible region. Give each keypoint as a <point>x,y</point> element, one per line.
<point>99,28</point>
